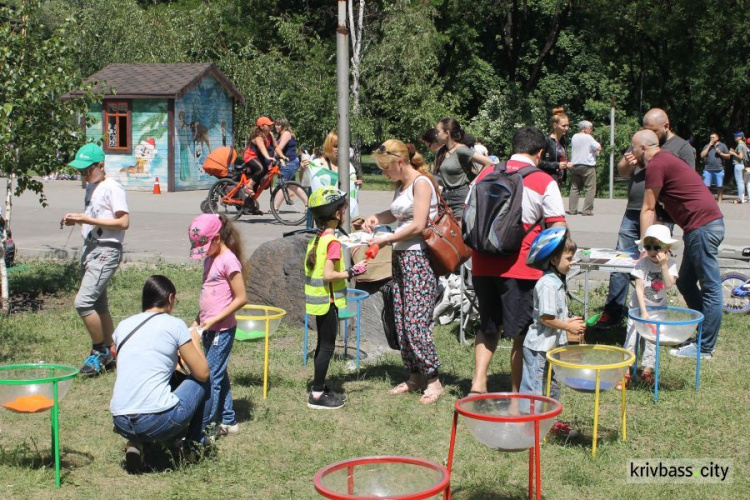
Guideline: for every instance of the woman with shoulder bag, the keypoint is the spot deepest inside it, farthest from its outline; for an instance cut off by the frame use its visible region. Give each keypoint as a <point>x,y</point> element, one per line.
<point>143,406</point>
<point>415,202</point>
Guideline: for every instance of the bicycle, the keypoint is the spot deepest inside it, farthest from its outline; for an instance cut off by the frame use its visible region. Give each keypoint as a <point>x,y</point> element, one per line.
<point>735,285</point>
<point>228,196</point>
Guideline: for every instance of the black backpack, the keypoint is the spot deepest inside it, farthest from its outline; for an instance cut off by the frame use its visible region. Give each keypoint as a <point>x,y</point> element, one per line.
<point>492,220</point>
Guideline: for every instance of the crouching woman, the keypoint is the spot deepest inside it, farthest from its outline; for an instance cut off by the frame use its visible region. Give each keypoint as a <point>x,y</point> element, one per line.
<point>144,407</point>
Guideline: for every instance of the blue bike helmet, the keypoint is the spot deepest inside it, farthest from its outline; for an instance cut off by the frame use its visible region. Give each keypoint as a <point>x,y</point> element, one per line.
<point>544,247</point>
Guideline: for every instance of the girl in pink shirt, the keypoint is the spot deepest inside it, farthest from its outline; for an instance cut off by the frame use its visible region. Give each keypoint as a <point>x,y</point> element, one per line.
<point>214,239</point>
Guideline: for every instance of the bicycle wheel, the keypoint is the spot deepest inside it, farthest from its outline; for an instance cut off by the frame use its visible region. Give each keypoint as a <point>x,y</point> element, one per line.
<point>218,192</point>
<point>734,302</point>
<point>292,209</point>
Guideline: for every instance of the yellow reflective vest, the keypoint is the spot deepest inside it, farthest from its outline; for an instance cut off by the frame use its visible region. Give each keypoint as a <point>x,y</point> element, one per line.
<point>317,291</point>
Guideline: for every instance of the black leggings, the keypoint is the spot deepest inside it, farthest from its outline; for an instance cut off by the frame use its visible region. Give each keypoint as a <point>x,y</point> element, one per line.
<point>328,329</point>
<point>257,170</point>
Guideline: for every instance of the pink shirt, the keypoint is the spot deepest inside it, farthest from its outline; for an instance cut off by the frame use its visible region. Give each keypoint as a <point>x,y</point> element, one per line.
<point>216,292</point>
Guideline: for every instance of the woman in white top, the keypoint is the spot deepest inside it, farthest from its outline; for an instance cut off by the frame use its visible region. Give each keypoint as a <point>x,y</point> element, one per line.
<point>414,282</point>
<point>144,407</point>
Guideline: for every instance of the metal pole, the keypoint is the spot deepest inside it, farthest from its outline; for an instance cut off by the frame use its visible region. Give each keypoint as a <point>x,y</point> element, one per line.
<point>612,150</point>
<point>342,78</point>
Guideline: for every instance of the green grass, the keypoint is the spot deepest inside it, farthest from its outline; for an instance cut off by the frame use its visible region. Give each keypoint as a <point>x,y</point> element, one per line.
<point>282,443</point>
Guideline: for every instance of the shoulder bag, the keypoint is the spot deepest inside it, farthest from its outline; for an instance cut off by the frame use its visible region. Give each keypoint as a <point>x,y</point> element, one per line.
<point>443,239</point>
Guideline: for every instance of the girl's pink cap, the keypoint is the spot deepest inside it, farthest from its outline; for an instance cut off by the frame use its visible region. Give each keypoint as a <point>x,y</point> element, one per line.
<point>202,230</point>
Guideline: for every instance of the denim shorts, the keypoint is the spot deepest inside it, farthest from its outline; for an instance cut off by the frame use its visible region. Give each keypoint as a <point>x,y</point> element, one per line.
<point>715,177</point>
<point>290,169</point>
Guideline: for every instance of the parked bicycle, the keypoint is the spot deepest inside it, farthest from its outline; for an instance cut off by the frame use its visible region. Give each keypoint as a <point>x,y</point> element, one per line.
<point>735,283</point>
<point>229,196</point>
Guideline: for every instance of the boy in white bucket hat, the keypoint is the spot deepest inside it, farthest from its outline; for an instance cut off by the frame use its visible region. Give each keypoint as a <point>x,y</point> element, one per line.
<point>654,273</point>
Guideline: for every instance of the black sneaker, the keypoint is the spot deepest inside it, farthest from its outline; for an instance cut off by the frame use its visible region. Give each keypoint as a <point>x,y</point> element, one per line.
<point>606,322</point>
<point>339,394</point>
<point>97,363</point>
<point>328,401</point>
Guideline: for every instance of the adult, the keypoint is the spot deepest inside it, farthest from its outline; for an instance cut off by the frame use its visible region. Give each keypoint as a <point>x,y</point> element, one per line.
<point>690,204</point>
<point>144,407</point>
<point>714,153</point>
<point>259,152</point>
<point>414,282</point>
<point>739,157</point>
<point>287,144</point>
<point>555,158</point>
<point>430,139</point>
<point>455,170</point>
<point>657,121</point>
<point>504,286</point>
<point>583,152</point>
<point>480,148</point>
<point>329,159</point>
<point>103,224</point>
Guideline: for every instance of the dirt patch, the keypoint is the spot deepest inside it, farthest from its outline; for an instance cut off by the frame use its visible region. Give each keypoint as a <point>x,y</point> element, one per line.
<point>35,300</point>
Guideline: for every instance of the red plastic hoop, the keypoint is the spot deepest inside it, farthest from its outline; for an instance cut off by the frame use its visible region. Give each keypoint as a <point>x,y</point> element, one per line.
<point>442,486</point>
<point>555,411</point>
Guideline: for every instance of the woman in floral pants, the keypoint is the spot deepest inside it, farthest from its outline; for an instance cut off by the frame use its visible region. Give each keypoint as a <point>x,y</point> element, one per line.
<point>415,285</point>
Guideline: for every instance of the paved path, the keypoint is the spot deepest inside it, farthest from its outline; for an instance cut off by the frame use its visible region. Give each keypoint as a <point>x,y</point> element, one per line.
<point>158,227</point>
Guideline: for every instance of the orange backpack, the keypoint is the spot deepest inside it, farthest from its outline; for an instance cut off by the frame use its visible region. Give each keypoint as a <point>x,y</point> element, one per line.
<point>218,161</point>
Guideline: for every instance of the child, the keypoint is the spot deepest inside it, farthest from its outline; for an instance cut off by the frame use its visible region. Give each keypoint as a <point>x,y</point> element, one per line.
<point>223,293</point>
<point>654,273</point>
<point>552,251</point>
<point>325,288</point>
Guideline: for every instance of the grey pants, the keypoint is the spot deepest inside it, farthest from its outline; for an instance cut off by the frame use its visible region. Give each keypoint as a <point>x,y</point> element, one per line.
<point>455,199</point>
<point>582,176</point>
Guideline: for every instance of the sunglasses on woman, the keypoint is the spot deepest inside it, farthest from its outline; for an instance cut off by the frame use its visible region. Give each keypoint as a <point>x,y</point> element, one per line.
<point>655,248</point>
<point>382,150</point>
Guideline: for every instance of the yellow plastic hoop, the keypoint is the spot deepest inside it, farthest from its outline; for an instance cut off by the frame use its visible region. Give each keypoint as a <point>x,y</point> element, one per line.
<point>277,313</point>
<point>629,359</point>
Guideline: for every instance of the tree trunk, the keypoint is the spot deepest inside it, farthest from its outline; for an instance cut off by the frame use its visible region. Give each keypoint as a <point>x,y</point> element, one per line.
<point>5,297</point>
<point>355,35</point>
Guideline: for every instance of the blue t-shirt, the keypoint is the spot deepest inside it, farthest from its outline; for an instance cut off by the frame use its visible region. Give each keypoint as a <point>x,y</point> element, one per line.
<point>146,363</point>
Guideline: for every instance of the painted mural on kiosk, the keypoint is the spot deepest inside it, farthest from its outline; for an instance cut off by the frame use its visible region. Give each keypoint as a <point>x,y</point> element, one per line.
<point>203,122</point>
<point>148,128</point>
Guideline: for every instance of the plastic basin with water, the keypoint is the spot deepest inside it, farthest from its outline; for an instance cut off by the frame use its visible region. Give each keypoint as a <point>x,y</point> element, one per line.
<point>505,421</point>
<point>675,324</point>
<point>252,319</point>
<point>28,388</point>
<point>383,477</point>
<point>576,365</point>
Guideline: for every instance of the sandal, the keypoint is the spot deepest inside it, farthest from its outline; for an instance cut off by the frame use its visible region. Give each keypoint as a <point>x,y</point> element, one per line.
<point>405,387</point>
<point>431,395</point>
<point>647,377</point>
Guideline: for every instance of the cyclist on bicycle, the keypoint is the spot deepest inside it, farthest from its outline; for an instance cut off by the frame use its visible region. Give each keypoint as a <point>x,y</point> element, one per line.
<point>258,154</point>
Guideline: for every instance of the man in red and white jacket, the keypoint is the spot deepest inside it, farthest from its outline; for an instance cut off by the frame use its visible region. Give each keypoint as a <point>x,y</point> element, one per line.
<point>504,286</point>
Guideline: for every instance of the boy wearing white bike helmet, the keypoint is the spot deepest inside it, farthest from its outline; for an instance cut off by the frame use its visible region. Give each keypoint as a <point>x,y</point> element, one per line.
<point>552,252</point>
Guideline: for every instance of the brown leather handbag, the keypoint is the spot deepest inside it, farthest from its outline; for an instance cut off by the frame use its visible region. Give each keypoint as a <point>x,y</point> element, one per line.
<point>443,238</point>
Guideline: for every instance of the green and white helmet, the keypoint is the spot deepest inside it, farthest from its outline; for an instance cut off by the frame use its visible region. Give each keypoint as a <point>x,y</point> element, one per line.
<point>324,202</point>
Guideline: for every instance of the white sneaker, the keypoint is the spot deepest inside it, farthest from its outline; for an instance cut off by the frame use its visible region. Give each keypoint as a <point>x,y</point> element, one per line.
<point>225,430</point>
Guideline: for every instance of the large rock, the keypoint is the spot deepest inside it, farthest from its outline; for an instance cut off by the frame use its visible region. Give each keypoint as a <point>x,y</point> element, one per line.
<point>277,278</point>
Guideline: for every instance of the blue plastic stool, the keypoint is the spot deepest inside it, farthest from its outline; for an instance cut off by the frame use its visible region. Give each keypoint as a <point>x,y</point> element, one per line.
<point>634,315</point>
<point>353,309</point>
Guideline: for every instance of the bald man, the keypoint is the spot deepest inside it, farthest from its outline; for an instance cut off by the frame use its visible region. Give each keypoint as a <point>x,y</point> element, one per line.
<point>691,205</point>
<point>657,121</point>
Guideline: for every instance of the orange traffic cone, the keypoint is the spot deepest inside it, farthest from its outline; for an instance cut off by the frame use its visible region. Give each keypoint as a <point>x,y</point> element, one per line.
<point>157,189</point>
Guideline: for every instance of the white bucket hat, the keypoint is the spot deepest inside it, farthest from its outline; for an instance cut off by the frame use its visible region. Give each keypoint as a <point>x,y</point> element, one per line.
<point>658,232</point>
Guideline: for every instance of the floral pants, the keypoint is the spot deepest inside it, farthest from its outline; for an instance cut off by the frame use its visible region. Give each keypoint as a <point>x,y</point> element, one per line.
<point>414,293</point>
